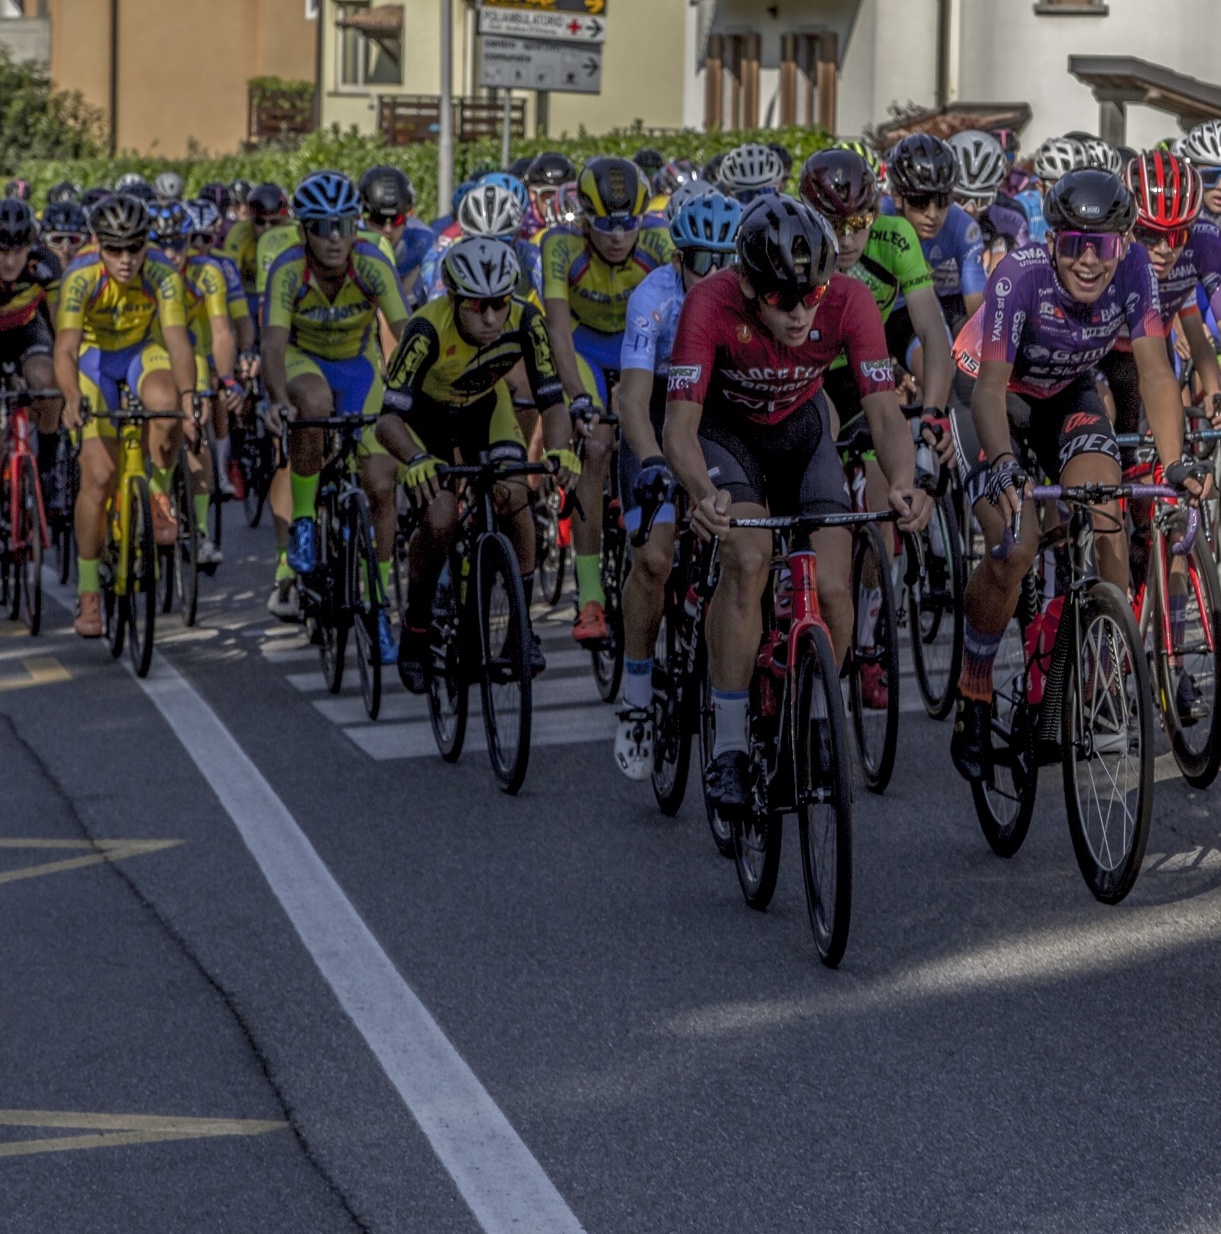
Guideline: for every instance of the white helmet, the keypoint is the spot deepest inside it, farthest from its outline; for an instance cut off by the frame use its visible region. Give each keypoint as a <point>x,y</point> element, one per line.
<point>168,186</point>
<point>1058,155</point>
<point>1202,145</point>
<point>128,180</point>
<point>490,210</point>
<point>689,190</point>
<point>478,268</point>
<point>1103,155</point>
<point>751,167</point>
<point>981,162</point>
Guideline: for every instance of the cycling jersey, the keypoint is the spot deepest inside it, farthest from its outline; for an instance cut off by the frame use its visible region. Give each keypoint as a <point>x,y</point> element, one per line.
<point>433,361</point>
<point>955,253</point>
<point>279,240</point>
<point>431,283</point>
<point>235,293</point>
<point>723,353</point>
<point>416,240</point>
<point>998,220</point>
<point>652,320</point>
<point>597,293</point>
<point>206,296</point>
<point>240,244</point>
<point>1028,320</point>
<point>32,293</point>
<point>1199,265</point>
<point>338,329</point>
<point>113,316</point>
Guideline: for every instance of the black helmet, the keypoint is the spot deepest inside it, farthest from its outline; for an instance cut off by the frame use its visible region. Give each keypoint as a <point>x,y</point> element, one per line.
<point>20,189</point>
<point>142,192</point>
<point>838,183</point>
<point>785,246</point>
<point>712,169</point>
<point>91,197</point>
<point>65,190</point>
<point>608,185</point>
<point>386,190</point>
<point>240,191</point>
<point>1089,199</point>
<point>786,155</point>
<point>267,201</point>
<point>550,171</point>
<point>217,193</point>
<point>922,163</point>
<point>65,216</point>
<point>518,167</point>
<point>17,225</point>
<point>649,161</point>
<point>121,218</point>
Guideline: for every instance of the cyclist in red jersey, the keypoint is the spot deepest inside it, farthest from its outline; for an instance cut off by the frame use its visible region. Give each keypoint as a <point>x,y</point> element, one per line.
<point>748,433</point>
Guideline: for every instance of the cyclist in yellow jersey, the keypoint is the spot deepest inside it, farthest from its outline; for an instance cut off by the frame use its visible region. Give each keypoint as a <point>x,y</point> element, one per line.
<point>268,208</point>
<point>589,272</point>
<point>321,357</point>
<point>114,304</point>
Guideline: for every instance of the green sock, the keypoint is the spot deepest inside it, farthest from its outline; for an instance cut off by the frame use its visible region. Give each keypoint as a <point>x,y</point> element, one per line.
<point>87,576</point>
<point>383,568</point>
<point>305,494</point>
<point>202,501</point>
<point>159,479</point>
<point>283,569</point>
<point>589,579</point>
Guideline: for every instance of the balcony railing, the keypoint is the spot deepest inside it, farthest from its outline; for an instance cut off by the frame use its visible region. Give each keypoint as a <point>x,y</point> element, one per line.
<point>406,118</point>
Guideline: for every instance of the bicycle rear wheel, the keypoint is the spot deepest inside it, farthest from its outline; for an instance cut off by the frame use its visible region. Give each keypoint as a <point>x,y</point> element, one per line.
<point>447,682</point>
<point>674,709</point>
<point>722,829</point>
<point>180,576</point>
<point>756,843</point>
<point>505,678</point>
<point>363,600</point>
<point>935,609</point>
<point>26,595</point>
<point>875,650</point>
<point>216,499</point>
<point>823,768</point>
<point>64,531</point>
<point>258,467</point>
<point>141,595</point>
<point>1107,743</point>
<point>332,618</point>
<point>608,660</point>
<point>550,554</point>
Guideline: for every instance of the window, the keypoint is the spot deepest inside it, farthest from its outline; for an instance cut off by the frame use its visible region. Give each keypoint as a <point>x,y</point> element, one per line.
<point>1071,8</point>
<point>731,82</point>
<point>808,64</point>
<point>311,10</point>
<point>370,45</point>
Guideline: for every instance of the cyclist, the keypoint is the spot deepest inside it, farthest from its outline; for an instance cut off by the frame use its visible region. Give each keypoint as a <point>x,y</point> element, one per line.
<point>589,271</point>
<point>29,286</point>
<point>239,193</point>
<point>1049,316</point>
<point>168,186</point>
<point>543,178</point>
<point>704,232</point>
<point>748,430</point>
<point>63,190</point>
<point>649,160</point>
<point>115,304</point>
<point>676,172</point>
<point>982,170</point>
<point>751,171</point>
<point>218,195</point>
<point>19,189</point>
<point>266,207</point>
<point>64,230</point>
<point>445,394</point>
<point>1202,147</point>
<point>388,197</point>
<point>320,357</point>
<point>1056,157</point>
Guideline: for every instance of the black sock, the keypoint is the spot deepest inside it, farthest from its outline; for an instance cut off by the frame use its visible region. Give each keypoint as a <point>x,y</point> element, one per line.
<point>48,447</point>
<point>527,585</point>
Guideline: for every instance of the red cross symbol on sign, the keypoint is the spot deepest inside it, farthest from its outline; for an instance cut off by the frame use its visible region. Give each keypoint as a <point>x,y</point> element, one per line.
<point>574,27</point>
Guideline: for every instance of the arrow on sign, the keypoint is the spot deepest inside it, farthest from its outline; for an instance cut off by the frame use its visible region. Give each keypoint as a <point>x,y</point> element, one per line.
<point>591,66</point>
<point>595,28</point>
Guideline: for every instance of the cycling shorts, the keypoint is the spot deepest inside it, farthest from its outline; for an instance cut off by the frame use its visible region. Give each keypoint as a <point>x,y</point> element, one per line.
<point>598,357</point>
<point>1055,430</point>
<point>488,424</point>
<point>629,464</point>
<point>791,467</point>
<point>356,385</point>
<point>22,342</point>
<point>101,371</point>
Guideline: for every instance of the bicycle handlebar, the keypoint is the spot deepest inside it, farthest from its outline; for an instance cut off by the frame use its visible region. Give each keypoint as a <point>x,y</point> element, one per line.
<point>1192,437</point>
<point>811,522</point>
<point>496,469</point>
<point>1096,494</point>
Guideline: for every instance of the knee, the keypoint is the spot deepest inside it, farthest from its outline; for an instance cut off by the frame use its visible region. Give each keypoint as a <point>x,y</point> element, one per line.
<point>441,516</point>
<point>97,476</point>
<point>654,560</point>
<point>746,559</point>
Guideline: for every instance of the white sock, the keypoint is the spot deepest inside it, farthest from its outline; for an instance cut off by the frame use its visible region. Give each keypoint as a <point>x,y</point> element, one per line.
<point>730,709</point>
<point>222,454</point>
<point>638,683</point>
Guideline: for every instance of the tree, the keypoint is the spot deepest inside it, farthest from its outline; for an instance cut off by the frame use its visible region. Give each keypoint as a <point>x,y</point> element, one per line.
<point>39,122</point>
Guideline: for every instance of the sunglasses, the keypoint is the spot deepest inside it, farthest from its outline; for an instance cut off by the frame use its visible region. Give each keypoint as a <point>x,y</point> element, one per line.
<point>1171,237</point>
<point>703,261</point>
<point>852,224</point>
<point>203,239</point>
<point>1210,175</point>
<point>119,250</point>
<point>481,304</point>
<point>615,222</point>
<point>324,229</point>
<point>174,244</point>
<point>387,220</point>
<point>1107,245</point>
<point>57,238</point>
<point>976,201</point>
<point>787,301</point>
<point>922,201</point>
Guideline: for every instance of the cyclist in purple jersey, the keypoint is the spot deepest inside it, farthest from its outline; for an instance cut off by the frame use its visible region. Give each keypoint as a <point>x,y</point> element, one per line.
<point>1047,319</point>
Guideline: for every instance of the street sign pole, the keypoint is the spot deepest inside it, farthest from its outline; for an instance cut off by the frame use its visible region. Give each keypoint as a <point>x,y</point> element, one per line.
<point>445,137</point>
<point>506,129</point>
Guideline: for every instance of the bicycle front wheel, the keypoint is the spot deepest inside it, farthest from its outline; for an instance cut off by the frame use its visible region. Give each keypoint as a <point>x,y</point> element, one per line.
<point>364,602</point>
<point>505,678</point>
<point>550,554</point>
<point>333,618</point>
<point>673,705</point>
<point>447,683</point>
<point>181,575</point>
<point>27,564</point>
<point>722,829</point>
<point>823,769</point>
<point>216,498</point>
<point>1107,743</point>
<point>935,610</point>
<point>141,595</point>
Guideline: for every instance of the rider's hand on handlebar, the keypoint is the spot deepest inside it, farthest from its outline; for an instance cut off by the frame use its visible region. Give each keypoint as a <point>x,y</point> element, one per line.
<point>1193,474</point>
<point>913,506</point>
<point>421,479</point>
<point>1215,404</point>
<point>583,412</point>
<point>567,466</point>
<point>1007,487</point>
<point>276,415</point>
<point>73,416</point>
<point>710,515</point>
<point>935,429</point>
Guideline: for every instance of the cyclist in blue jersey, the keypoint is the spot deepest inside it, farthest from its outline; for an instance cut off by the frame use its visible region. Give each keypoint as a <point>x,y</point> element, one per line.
<point>704,232</point>
<point>388,198</point>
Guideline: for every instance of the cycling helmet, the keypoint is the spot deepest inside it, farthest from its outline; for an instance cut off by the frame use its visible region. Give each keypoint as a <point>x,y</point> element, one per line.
<point>1168,190</point>
<point>19,189</point>
<point>981,162</point>
<point>838,183</point>
<point>750,168</point>
<point>460,191</point>
<point>609,185</point>
<point>1058,155</point>
<point>1009,141</point>
<point>785,246</point>
<point>65,190</point>
<point>862,148</point>
<point>143,192</point>
<point>649,161</point>
<point>1127,154</point>
<point>1089,199</point>
<point>477,267</point>
<point>712,169</point>
<point>550,171</point>
<point>17,225</point>
<point>783,153</point>
<point>674,173</point>
<point>91,197</point>
<point>120,218</point>
<point>1203,144</point>
<point>1102,154</point>
<point>65,216</point>
<point>518,167</point>
<point>128,181</point>
<point>241,190</point>
<point>490,210</point>
<point>326,195</point>
<point>168,186</point>
<point>922,163</point>
<point>386,190</point>
<point>505,180</point>
<point>217,193</point>
<point>709,222</point>
<point>204,216</point>
<point>267,201</point>
<point>564,208</point>
<point>689,190</point>
<point>171,221</point>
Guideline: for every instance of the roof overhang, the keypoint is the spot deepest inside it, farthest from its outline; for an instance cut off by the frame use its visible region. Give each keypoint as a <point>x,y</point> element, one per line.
<point>1128,79</point>
<point>954,119</point>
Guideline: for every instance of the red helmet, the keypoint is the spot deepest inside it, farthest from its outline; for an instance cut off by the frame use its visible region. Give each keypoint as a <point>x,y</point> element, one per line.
<point>1168,189</point>
<point>839,184</point>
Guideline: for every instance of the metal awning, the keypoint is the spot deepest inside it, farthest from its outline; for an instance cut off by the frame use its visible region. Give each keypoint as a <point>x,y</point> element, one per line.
<point>1127,79</point>
<point>384,21</point>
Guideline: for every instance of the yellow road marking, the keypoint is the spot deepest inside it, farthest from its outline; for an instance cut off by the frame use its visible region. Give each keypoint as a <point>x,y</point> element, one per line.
<point>39,671</point>
<point>14,629</point>
<point>96,851</point>
<point>119,1129</point>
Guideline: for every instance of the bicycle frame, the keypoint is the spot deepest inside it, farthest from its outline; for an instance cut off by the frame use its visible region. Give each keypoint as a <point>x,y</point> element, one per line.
<point>14,407</point>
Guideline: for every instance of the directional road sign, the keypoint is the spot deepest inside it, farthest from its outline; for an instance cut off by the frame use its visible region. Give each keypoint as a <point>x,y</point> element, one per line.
<point>592,8</point>
<point>536,64</point>
<point>541,24</point>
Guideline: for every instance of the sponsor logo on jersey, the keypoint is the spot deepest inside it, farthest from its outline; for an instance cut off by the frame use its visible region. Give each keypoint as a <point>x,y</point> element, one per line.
<point>683,376</point>
<point>1002,288</point>
<point>744,334</point>
<point>877,371</point>
<point>1079,420</point>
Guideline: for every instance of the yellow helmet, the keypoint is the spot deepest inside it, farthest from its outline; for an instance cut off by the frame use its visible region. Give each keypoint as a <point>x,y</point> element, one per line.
<point>863,148</point>
<point>609,186</point>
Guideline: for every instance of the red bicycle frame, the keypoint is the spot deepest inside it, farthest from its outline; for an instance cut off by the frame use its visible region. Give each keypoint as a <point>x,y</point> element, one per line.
<point>16,448</point>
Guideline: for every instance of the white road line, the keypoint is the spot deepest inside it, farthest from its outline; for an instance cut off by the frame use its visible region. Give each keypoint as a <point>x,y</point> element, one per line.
<point>496,1174</point>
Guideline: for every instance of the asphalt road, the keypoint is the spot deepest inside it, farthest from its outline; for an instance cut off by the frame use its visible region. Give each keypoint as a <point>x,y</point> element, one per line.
<point>996,1053</point>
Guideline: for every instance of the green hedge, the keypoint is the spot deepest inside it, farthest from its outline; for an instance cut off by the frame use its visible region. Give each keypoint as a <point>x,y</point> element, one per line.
<point>352,152</point>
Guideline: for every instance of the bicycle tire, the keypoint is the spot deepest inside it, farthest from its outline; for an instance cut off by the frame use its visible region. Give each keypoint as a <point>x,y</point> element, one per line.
<point>332,618</point>
<point>1196,746</point>
<point>65,531</point>
<point>757,842</point>
<point>608,659</point>
<point>141,594</point>
<point>550,554</point>
<point>877,743</point>
<point>27,571</point>
<point>1110,870</point>
<point>448,690</point>
<point>182,574</point>
<point>216,500</point>
<point>722,829</point>
<point>823,769</point>
<point>363,600</point>
<point>935,596</point>
<point>257,467</point>
<point>674,712</point>
<point>505,675</point>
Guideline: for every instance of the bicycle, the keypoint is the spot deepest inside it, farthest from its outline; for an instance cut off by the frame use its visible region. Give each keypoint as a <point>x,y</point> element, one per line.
<point>552,540</point>
<point>481,633</point>
<point>344,590</point>
<point>1085,703</point>
<point>257,461</point>
<point>68,476</point>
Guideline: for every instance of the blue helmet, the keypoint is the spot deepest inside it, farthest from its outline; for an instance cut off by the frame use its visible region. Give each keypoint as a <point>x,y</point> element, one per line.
<point>709,222</point>
<point>326,195</point>
<point>204,214</point>
<point>460,192</point>
<point>512,183</point>
<point>171,221</point>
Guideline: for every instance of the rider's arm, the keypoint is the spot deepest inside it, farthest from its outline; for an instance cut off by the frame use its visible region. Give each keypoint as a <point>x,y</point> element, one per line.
<point>546,388</point>
<point>989,411</point>
<point>557,255</point>
<point>683,452</point>
<point>1203,354</point>
<point>925,311</point>
<point>182,357</point>
<point>417,351</point>
<point>272,353</point>
<point>637,365</point>
<point>892,439</point>
<point>1159,391</point>
<point>635,394</point>
<point>67,373</point>
<point>224,347</point>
